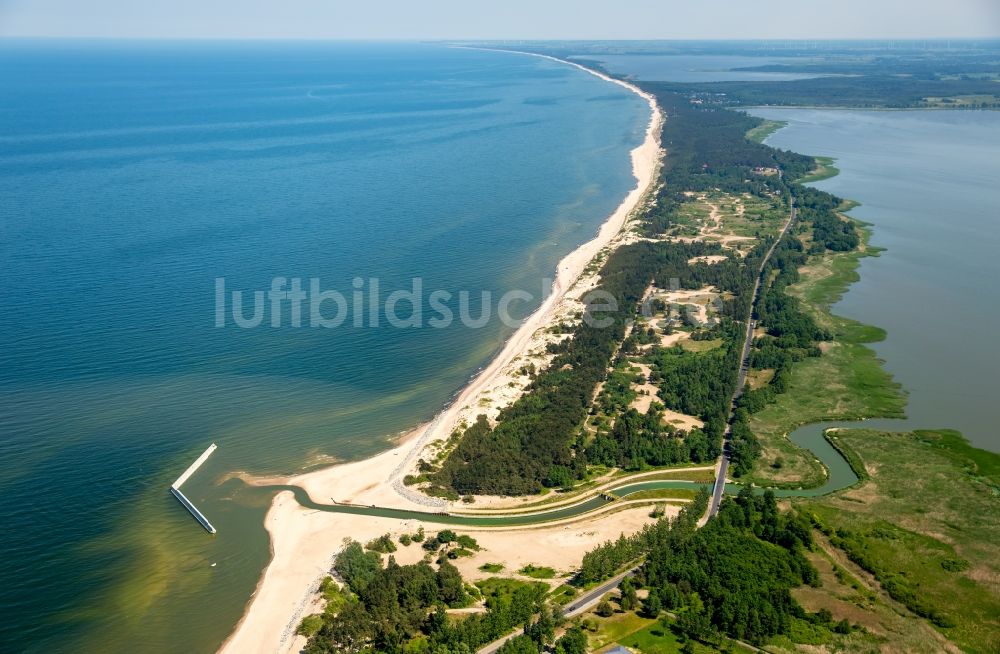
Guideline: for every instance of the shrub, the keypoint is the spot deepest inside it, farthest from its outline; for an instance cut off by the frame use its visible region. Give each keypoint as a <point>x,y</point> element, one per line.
<point>468,542</point>
<point>310,625</point>
<point>383,544</point>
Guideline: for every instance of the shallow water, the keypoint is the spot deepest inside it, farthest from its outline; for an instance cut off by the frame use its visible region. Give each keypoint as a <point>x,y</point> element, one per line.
<point>132,176</point>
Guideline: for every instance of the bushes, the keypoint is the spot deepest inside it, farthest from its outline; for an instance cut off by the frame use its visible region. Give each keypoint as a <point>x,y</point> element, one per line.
<point>383,544</point>
<point>310,625</point>
<point>536,572</point>
<point>897,586</point>
<point>744,446</point>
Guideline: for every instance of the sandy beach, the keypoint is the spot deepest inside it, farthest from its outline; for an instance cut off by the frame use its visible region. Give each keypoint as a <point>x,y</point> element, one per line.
<point>304,541</point>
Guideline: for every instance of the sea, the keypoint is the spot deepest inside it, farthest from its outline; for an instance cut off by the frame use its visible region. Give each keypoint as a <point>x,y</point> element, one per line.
<point>145,186</point>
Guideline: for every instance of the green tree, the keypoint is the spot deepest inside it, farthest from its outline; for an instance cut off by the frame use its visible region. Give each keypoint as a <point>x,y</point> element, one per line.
<point>629,598</point>
<point>543,630</point>
<point>451,588</point>
<point>652,606</point>
<point>574,641</point>
<point>356,566</point>
<point>519,645</point>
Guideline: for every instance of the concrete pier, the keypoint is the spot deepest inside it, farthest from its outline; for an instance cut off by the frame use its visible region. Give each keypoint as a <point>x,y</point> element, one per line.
<point>175,489</point>
<point>194,466</point>
<point>198,515</point>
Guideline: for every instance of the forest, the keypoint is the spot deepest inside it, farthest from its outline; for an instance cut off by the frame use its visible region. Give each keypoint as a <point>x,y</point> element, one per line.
<point>870,91</point>
<point>734,575</point>
<point>394,608</point>
<point>609,558</point>
<point>540,431</point>
<point>830,232</point>
<point>708,149</point>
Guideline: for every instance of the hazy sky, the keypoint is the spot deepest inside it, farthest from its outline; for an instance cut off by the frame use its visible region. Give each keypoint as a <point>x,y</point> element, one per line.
<point>502,19</point>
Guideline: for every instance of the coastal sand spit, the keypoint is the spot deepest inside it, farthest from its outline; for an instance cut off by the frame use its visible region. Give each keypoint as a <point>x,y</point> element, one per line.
<point>304,541</point>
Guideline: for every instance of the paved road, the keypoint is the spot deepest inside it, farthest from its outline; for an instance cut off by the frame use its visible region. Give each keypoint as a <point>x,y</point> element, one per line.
<point>594,595</point>
<point>720,477</point>
<point>575,608</point>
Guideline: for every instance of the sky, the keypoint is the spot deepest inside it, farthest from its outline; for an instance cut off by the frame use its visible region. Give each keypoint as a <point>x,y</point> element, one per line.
<point>506,19</point>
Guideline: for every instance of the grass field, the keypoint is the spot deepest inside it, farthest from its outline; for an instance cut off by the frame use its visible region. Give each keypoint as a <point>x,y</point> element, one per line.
<point>644,635</point>
<point>846,383</point>
<point>705,476</point>
<point>848,597</point>
<point>925,523</point>
<point>824,170</point>
<point>612,629</point>
<point>563,594</point>
<point>760,133</point>
<point>660,639</point>
<point>536,572</point>
<point>700,346</point>
<point>749,215</point>
<point>504,586</point>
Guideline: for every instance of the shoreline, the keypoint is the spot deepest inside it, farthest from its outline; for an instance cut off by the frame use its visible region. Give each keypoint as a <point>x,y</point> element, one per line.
<point>303,542</point>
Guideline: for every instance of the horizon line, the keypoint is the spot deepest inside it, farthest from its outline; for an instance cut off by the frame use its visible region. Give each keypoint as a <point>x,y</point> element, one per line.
<point>908,39</point>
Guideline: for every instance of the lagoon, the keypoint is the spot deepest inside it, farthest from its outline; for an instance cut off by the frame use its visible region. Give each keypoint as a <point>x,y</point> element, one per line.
<point>927,183</point>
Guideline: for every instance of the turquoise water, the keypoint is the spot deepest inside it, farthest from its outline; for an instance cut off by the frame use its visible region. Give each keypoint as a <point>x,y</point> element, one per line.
<point>927,182</point>
<point>132,176</point>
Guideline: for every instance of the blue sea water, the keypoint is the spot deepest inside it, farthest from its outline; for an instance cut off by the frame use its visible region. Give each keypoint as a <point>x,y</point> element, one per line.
<point>132,176</point>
